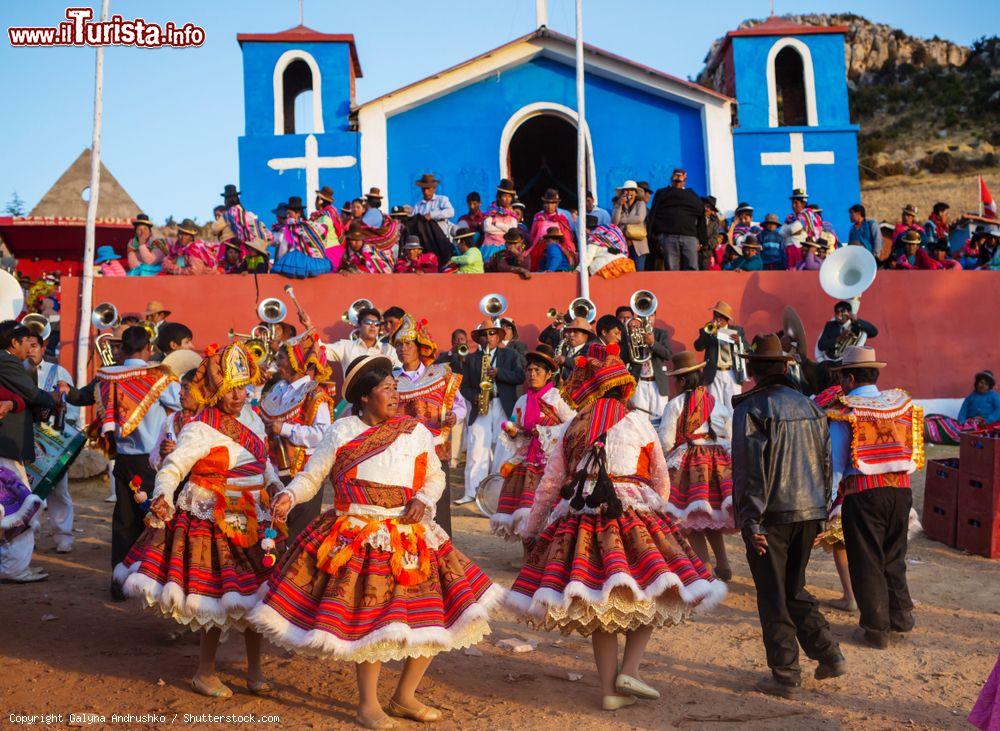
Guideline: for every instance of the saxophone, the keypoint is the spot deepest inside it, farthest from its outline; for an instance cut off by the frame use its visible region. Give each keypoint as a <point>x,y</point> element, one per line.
<point>486,386</point>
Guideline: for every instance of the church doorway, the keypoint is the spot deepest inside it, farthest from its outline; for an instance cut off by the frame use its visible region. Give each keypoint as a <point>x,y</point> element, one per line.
<point>542,155</point>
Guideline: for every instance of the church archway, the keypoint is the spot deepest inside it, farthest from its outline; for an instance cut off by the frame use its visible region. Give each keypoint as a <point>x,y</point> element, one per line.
<point>295,73</point>
<point>538,151</point>
<point>791,84</point>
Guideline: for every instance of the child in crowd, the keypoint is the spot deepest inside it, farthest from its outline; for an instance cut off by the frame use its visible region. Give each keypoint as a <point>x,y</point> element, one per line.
<point>107,263</point>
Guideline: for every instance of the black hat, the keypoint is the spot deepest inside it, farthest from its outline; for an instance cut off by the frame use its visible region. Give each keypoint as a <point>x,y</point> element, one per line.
<point>399,212</point>
<point>229,190</point>
<point>708,200</point>
<point>988,375</point>
<point>506,186</point>
<point>141,219</point>
<point>326,193</point>
<point>512,236</point>
<point>551,195</point>
<point>744,207</point>
<point>187,226</point>
<point>281,210</point>
<point>644,185</point>
<point>798,195</point>
<point>518,204</point>
<point>294,203</point>
<point>544,356</point>
<point>462,231</point>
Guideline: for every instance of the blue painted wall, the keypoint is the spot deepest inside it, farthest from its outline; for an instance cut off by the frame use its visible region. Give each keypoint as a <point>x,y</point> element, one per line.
<point>261,187</point>
<point>457,136</point>
<point>834,187</point>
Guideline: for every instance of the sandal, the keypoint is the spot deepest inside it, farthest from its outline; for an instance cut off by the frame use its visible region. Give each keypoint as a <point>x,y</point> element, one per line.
<point>224,692</point>
<point>259,687</point>
<point>424,714</point>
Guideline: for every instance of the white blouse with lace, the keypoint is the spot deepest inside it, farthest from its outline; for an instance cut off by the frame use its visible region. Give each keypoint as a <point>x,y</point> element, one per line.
<point>633,449</point>
<point>515,449</point>
<point>398,465</point>
<point>721,420</point>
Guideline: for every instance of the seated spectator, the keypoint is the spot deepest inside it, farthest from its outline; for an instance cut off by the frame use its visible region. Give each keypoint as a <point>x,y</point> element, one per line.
<point>864,231</point>
<point>519,208</point>
<point>192,255</point>
<point>772,244</point>
<point>984,402</point>
<point>941,253</point>
<point>301,250</point>
<point>541,229</point>
<point>907,222</point>
<point>373,215</point>
<point>499,219</point>
<point>749,259</point>
<point>914,256</point>
<point>414,260</point>
<point>811,260</point>
<point>937,229</point>
<point>513,258</point>
<point>358,210</point>
<point>358,257</point>
<point>607,250</point>
<point>553,252</point>
<point>725,252</point>
<point>232,258</point>
<point>107,262</point>
<point>145,255</point>
<point>971,255</point>
<point>474,217</point>
<point>470,258</point>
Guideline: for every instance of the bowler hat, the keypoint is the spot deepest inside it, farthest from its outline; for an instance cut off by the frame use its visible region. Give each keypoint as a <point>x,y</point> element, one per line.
<point>325,193</point>
<point>427,180</point>
<point>375,193</point>
<point>400,212</point>
<point>750,242</point>
<point>229,190</point>
<point>685,362</point>
<point>294,203</point>
<point>909,210</point>
<point>553,232</point>
<point>512,236</point>
<point>772,218</point>
<point>412,242</point>
<point>518,204</point>
<point>187,226</point>
<point>354,233</point>
<point>544,356</point>
<point>141,219</point>
<point>506,186</point>
<point>551,195</point>
<point>744,208</point>
<point>912,237</point>
<point>798,195</point>
<point>281,210</point>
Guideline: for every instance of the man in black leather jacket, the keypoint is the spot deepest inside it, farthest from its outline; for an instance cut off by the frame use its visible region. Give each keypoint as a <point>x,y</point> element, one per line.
<point>781,493</point>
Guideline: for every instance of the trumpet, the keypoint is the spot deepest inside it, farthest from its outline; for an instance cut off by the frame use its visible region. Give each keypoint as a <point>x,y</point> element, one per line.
<point>553,314</point>
<point>643,303</point>
<point>38,324</point>
<point>710,327</point>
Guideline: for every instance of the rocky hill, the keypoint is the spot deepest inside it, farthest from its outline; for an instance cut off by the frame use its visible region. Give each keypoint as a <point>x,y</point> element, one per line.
<point>922,104</point>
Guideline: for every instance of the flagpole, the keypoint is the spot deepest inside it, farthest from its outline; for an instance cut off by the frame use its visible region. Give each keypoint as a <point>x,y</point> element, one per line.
<point>87,282</point>
<point>581,159</point>
<point>979,195</point>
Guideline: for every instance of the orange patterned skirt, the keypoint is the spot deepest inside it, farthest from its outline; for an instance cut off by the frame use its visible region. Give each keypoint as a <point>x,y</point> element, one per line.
<point>701,489</point>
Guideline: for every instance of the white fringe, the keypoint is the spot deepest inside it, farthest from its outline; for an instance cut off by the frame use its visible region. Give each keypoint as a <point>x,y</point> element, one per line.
<point>193,609</point>
<point>707,593</point>
<point>412,642</point>
<point>701,506</point>
<point>510,525</point>
<point>23,515</point>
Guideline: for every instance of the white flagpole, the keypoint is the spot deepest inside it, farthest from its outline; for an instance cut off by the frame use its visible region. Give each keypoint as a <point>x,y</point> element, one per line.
<point>581,159</point>
<point>87,283</point>
<point>979,194</point>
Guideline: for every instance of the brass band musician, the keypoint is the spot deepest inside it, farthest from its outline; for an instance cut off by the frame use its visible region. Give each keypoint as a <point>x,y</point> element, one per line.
<point>723,341</point>
<point>845,329</point>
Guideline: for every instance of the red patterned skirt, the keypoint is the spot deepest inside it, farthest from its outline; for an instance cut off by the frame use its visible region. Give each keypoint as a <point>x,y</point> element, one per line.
<point>191,572</point>
<point>362,613</point>
<point>516,499</point>
<point>701,489</point>
<point>585,573</point>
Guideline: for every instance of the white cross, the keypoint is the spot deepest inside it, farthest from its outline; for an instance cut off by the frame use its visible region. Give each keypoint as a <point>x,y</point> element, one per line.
<point>311,162</point>
<point>798,158</point>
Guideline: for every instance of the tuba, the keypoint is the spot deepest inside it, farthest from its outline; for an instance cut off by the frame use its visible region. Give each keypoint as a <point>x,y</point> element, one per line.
<point>845,275</point>
<point>38,324</point>
<point>351,314</point>
<point>105,318</point>
<point>643,303</point>
<point>583,307</point>
<point>492,306</point>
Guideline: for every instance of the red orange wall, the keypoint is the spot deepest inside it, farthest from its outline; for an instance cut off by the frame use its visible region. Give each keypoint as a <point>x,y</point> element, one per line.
<point>936,328</point>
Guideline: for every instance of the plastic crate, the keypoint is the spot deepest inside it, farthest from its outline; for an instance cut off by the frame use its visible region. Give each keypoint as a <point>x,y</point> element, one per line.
<point>980,454</point>
<point>978,533</point>
<point>977,492</point>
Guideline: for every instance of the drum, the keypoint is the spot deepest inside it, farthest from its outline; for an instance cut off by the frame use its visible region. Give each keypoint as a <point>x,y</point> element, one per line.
<point>488,494</point>
<point>54,453</point>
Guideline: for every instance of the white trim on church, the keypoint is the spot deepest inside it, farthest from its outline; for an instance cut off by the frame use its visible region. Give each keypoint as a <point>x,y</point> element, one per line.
<point>715,108</point>
<point>283,62</point>
<point>809,80</point>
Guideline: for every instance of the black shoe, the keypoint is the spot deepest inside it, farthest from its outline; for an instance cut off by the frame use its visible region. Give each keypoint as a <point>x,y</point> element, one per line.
<point>830,669</point>
<point>870,638</point>
<point>772,686</point>
<point>117,594</point>
<point>724,575</point>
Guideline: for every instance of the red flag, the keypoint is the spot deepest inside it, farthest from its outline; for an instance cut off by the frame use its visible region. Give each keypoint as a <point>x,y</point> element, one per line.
<point>986,200</point>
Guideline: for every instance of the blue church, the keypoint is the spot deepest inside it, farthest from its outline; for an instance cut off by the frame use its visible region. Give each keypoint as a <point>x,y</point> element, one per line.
<point>777,120</point>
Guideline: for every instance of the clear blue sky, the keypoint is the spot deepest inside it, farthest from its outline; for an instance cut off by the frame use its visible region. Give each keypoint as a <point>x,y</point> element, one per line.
<point>172,117</point>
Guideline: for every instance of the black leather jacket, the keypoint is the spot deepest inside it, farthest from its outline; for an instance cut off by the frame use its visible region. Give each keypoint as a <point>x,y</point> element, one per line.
<point>781,457</point>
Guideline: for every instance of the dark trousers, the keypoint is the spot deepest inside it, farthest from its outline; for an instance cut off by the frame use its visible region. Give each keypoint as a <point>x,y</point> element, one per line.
<point>787,611</point>
<point>303,513</point>
<point>442,510</point>
<point>679,252</point>
<point>875,534</point>
<point>127,520</point>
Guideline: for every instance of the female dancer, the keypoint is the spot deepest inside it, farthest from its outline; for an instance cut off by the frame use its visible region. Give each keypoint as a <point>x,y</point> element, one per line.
<point>609,560</point>
<point>375,578</point>
<point>694,434</point>
<point>202,561</point>
<point>531,434</point>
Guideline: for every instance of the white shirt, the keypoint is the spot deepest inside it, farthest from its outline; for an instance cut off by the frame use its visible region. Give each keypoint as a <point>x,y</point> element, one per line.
<point>282,398</point>
<point>346,350</point>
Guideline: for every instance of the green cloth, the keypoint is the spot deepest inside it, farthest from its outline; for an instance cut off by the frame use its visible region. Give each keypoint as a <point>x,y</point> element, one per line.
<point>471,262</point>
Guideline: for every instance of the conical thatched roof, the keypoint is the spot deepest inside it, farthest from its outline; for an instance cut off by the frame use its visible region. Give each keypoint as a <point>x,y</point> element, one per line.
<point>64,199</point>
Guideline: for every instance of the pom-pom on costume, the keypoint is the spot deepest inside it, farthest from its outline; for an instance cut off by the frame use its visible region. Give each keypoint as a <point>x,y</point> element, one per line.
<point>204,566</point>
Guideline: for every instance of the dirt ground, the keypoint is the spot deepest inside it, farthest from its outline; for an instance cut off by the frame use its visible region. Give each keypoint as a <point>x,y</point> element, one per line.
<point>67,648</point>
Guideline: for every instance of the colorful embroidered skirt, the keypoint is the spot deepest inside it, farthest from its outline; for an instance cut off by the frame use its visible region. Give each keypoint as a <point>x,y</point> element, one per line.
<point>362,613</point>
<point>701,489</point>
<point>585,573</point>
<point>299,265</point>
<point>516,498</point>
<point>192,573</point>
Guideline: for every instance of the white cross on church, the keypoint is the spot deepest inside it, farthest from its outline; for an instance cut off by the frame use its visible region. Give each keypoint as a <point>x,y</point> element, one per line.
<point>798,158</point>
<point>311,162</point>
